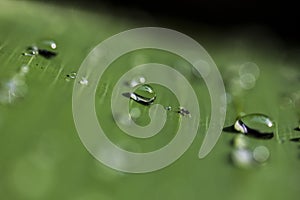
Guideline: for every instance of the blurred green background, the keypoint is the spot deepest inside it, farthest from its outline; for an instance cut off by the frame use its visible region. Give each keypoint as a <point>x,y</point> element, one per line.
<point>42,157</point>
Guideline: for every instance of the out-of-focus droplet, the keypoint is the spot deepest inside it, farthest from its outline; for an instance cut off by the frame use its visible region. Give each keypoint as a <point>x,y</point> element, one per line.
<point>261,154</point>
<point>249,68</point>
<point>239,141</point>
<point>135,112</point>
<point>13,89</point>
<point>242,158</point>
<point>84,81</point>
<point>136,81</point>
<point>247,81</point>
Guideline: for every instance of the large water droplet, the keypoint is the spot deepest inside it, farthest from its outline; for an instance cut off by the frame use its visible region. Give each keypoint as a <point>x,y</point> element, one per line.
<point>253,125</point>
<point>144,94</point>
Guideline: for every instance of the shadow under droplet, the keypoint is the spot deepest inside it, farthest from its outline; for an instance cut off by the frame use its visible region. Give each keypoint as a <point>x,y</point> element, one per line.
<point>250,132</point>
<point>295,139</point>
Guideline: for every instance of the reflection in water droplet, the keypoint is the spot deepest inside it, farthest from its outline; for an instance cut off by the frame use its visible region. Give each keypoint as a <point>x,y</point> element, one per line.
<point>254,125</point>
<point>261,154</point>
<point>24,70</point>
<point>144,94</point>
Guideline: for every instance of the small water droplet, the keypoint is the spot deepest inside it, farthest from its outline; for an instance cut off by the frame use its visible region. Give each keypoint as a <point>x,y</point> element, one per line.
<point>48,44</point>
<point>31,51</point>
<point>168,108</point>
<point>261,154</point>
<point>84,81</point>
<point>71,76</point>
<point>253,125</point>
<point>144,94</point>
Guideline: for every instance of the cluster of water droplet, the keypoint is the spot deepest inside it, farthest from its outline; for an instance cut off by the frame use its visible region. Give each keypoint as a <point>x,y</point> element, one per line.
<point>144,94</point>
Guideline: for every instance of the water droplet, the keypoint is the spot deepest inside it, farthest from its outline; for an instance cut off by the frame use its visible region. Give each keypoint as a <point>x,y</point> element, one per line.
<point>144,94</point>
<point>48,44</point>
<point>168,108</point>
<point>71,76</point>
<point>242,158</point>
<point>261,154</point>
<point>253,125</point>
<point>31,51</point>
<point>84,81</point>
